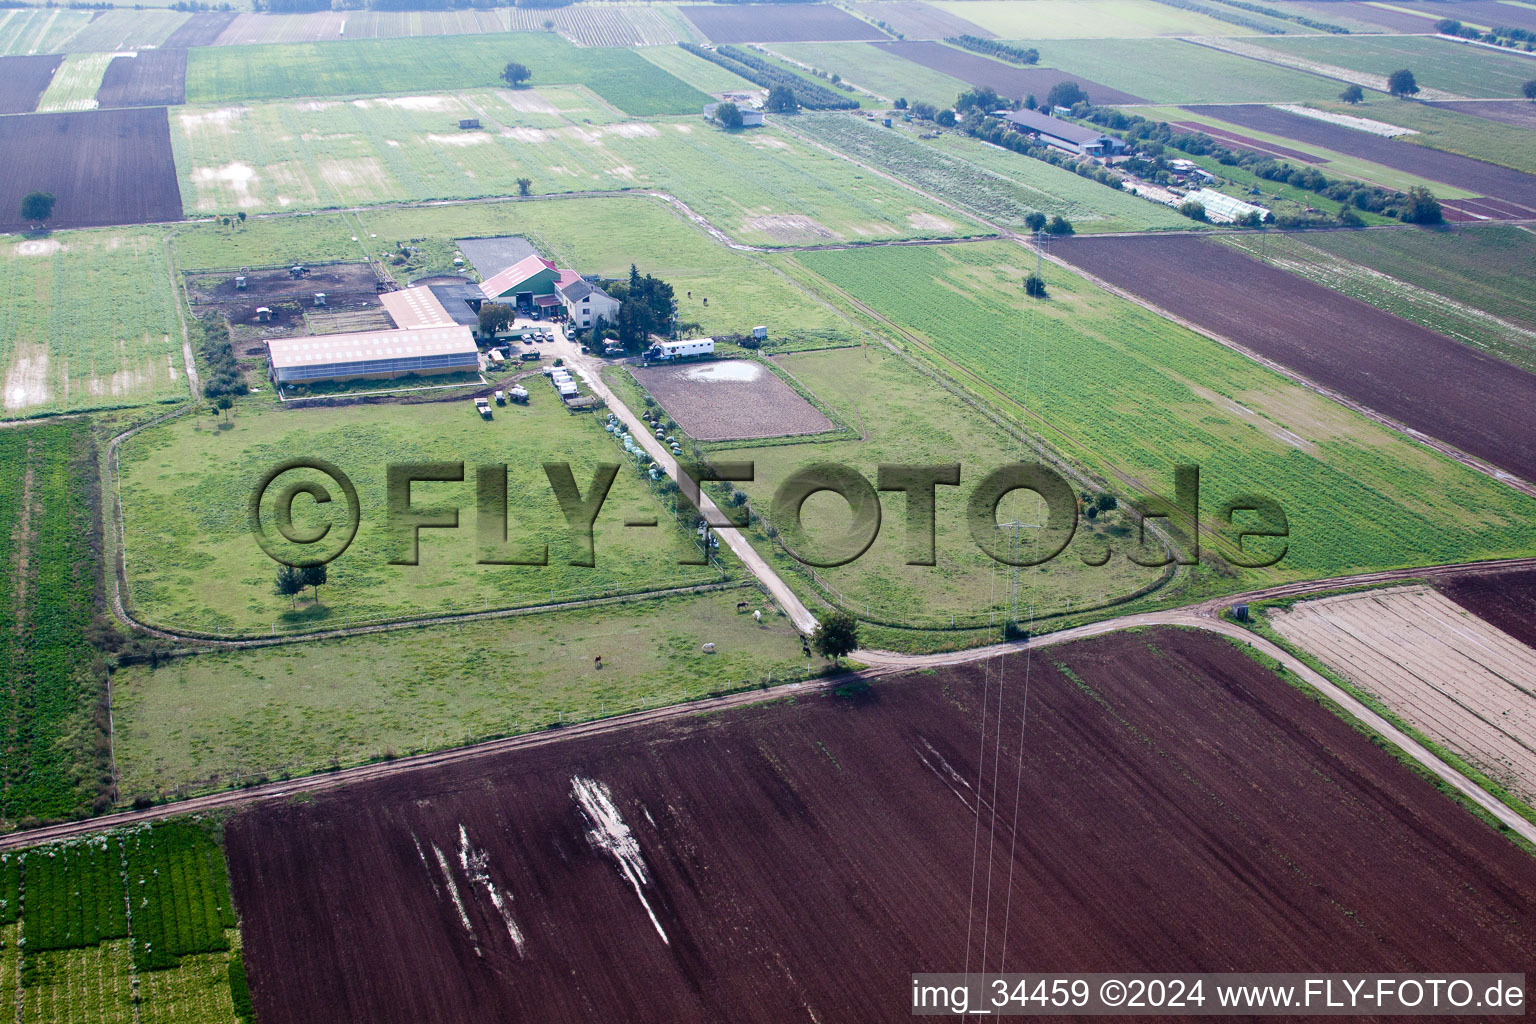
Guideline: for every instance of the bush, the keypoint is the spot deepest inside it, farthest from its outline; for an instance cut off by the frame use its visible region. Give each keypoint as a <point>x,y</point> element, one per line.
<point>1034,286</point>
<point>1193,209</point>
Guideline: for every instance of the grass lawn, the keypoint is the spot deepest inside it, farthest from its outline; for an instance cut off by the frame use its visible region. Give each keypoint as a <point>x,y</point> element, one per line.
<point>1449,130</point>
<point>371,67</point>
<point>88,322</point>
<point>906,418</point>
<point>356,699</point>
<point>601,235</point>
<point>1466,284</point>
<point>1474,71</point>
<point>760,186</point>
<point>193,563</point>
<point>1173,71</point>
<point>877,70</point>
<point>1077,19</point>
<point>705,76</point>
<point>1129,394</point>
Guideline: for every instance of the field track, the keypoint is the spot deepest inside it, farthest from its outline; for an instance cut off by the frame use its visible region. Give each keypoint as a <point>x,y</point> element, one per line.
<point>879,664</point>
<point>1158,772</point>
<point>1475,176</point>
<point>1009,80</point>
<point>1380,361</point>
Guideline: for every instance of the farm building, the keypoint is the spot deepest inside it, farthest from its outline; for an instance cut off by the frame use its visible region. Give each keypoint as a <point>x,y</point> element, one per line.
<point>415,309</point>
<point>1224,209</point>
<point>661,351</point>
<point>372,354</point>
<point>749,118</point>
<point>1065,135</point>
<point>536,283</point>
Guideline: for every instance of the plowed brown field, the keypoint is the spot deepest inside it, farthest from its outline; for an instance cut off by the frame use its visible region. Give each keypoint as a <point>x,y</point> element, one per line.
<point>1507,600</point>
<point>1008,79</point>
<point>1387,364</point>
<point>1178,808</point>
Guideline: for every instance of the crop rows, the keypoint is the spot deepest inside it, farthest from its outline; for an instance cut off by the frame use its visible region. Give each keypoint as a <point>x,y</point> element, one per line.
<point>178,893</point>
<point>74,895</point>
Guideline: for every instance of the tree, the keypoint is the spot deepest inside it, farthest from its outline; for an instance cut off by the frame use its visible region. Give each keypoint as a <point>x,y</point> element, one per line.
<point>901,103</point>
<point>1065,94</point>
<point>1194,209</point>
<point>836,636</point>
<point>1059,225</point>
<point>983,98</point>
<point>1421,207</point>
<point>313,576</point>
<point>290,583</point>
<point>1029,102</point>
<point>495,317</point>
<point>223,404</point>
<point>1401,84</point>
<point>524,186</point>
<point>1529,88</point>
<point>37,207</point>
<point>515,74</point>
<point>1354,94</point>
<point>945,119</point>
<point>781,100</point>
<point>729,116</point>
<point>240,216</point>
<point>1034,220</point>
<point>1349,218</point>
<point>1034,286</point>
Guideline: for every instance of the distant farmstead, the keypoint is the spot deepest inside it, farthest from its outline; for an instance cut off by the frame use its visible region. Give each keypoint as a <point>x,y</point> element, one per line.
<point>372,355</point>
<point>536,283</point>
<point>1064,135</point>
<point>750,118</point>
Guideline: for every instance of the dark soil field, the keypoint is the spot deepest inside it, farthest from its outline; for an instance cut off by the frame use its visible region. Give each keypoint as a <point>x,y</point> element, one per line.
<point>1009,80</point>
<point>763,23</point>
<point>23,80</point>
<point>921,21</point>
<point>1478,12</point>
<point>154,78</point>
<point>104,167</point>
<point>1390,365</point>
<point>1178,808</point>
<point>347,287</point>
<point>1392,21</point>
<point>1507,600</point>
<point>199,30</point>
<point>714,402</point>
<point>1520,113</point>
<point>1237,141</point>
<point>1473,175</point>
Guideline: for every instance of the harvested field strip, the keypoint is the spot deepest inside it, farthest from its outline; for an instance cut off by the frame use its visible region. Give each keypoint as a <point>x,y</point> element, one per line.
<point>1519,114</point>
<point>1446,672</point>
<point>1008,79</point>
<point>75,84</point>
<point>826,817</point>
<point>1476,176</point>
<point>154,78</point>
<point>763,23</point>
<point>126,30</point>
<point>103,166</point>
<point>1389,365</point>
<point>1507,601</point>
<point>23,80</point>
<point>920,20</point>
<point>1511,341</point>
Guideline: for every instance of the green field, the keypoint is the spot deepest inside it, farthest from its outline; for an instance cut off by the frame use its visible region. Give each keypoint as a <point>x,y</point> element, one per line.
<point>705,76</point>
<point>193,564</point>
<point>47,599</point>
<point>1173,71</point>
<point>762,186</point>
<point>92,956</point>
<point>126,30</point>
<point>1466,70</point>
<point>30,30</point>
<point>1129,395</point>
<point>374,67</point>
<point>198,722</point>
<point>595,236</point>
<point>1449,130</point>
<point>904,417</point>
<point>88,321</point>
<point>1467,284</point>
<point>74,85</point>
<point>996,184</point>
<point>877,70</point>
<point>1078,19</point>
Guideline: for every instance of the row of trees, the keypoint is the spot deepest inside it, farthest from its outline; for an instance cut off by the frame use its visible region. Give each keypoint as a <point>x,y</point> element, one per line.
<point>291,582</point>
